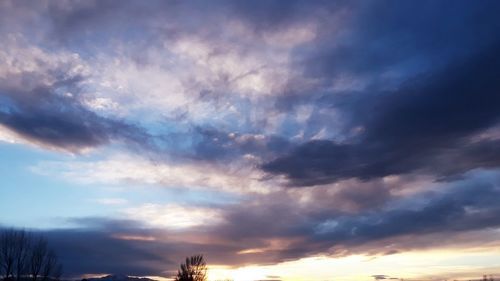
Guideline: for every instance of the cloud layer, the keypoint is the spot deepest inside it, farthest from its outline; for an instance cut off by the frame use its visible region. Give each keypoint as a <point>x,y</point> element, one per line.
<point>339,127</point>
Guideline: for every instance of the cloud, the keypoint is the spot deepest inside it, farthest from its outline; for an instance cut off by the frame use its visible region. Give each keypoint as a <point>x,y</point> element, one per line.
<point>377,42</point>
<point>164,81</point>
<point>65,126</point>
<point>153,237</point>
<point>216,145</point>
<point>173,216</point>
<point>306,229</point>
<point>422,127</point>
<point>383,277</point>
<point>86,251</point>
<point>125,169</point>
<point>40,102</point>
<point>463,209</point>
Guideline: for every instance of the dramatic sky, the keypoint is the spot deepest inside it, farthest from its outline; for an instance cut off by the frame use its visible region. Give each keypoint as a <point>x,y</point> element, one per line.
<point>284,140</point>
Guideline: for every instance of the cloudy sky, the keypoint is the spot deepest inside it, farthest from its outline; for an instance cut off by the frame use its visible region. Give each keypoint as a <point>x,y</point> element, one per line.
<point>284,140</point>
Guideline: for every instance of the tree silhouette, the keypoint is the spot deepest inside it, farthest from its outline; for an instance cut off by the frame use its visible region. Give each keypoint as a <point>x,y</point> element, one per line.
<point>8,252</point>
<point>194,269</point>
<point>22,256</point>
<point>22,251</point>
<point>37,258</point>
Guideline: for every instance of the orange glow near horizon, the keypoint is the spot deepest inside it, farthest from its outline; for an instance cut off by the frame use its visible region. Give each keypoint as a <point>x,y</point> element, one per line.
<point>419,265</point>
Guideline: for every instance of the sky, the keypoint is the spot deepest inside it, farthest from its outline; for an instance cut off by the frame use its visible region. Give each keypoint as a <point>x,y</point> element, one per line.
<point>283,140</point>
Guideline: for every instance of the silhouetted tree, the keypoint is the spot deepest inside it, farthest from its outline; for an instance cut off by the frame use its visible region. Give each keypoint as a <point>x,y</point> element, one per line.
<point>22,249</point>
<point>49,266</point>
<point>23,257</point>
<point>38,258</point>
<point>7,252</point>
<point>485,278</point>
<point>58,271</point>
<point>194,269</point>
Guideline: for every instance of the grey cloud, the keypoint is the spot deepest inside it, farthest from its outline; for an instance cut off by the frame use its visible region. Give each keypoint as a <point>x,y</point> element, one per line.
<point>447,212</point>
<point>383,277</point>
<point>462,211</point>
<point>215,144</point>
<point>461,207</point>
<point>420,127</point>
<point>395,34</point>
<point>46,116</point>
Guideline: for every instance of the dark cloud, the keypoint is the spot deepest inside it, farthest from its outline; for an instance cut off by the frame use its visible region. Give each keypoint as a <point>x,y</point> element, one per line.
<point>383,277</point>
<point>404,37</point>
<point>262,15</point>
<point>149,23</point>
<point>84,251</point>
<point>421,126</point>
<point>463,208</point>
<point>371,47</point>
<point>50,116</point>
<point>212,144</point>
<point>461,212</point>
<point>106,246</point>
<point>405,125</point>
<point>277,15</point>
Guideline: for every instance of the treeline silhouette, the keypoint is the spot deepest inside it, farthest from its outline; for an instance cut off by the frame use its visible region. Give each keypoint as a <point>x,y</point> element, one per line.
<point>26,256</point>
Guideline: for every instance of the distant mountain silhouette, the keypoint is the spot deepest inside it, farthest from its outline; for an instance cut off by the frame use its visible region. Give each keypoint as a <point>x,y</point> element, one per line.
<point>119,277</point>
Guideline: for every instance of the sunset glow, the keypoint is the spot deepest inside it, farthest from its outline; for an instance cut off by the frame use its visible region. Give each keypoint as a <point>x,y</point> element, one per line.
<point>265,140</point>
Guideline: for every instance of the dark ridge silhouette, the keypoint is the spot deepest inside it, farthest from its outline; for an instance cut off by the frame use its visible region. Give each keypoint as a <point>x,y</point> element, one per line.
<point>118,277</point>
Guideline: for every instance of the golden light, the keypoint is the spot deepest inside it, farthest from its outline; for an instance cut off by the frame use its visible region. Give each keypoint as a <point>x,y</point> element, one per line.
<point>438,264</point>
<point>247,273</point>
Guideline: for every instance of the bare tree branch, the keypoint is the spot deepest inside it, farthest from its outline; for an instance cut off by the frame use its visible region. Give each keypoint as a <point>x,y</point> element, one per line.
<point>22,256</point>
<point>49,265</point>
<point>194,269</point>
<point>7,252</point>
<point>38,257</point>
<point>22,249</point>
